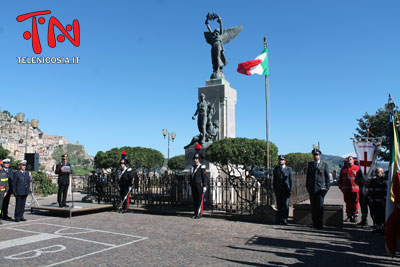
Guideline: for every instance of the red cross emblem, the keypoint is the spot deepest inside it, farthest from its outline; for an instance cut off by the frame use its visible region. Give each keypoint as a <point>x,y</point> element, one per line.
<point>365,163</point>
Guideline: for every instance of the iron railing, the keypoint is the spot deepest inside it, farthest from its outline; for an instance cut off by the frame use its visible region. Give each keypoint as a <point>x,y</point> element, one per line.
<point>155,191</point>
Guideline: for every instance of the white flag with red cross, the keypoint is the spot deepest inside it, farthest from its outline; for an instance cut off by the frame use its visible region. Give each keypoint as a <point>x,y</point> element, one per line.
<point>367,150</point>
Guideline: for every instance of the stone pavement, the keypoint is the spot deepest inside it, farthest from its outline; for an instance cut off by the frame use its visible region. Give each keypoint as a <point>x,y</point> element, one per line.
<point>137,239</point>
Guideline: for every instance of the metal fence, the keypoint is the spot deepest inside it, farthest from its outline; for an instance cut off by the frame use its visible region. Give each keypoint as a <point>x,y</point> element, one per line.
<point>173,191</point>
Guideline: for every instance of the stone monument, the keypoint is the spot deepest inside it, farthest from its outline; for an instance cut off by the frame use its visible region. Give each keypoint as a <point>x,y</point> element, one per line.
<point>215,110</point>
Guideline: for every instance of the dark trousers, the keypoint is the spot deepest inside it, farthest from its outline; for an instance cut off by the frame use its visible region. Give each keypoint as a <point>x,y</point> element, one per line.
<point>197,190</point>
<point>364,206</point>
<point>123,191</point>
<point>5,204</point>
<point>317,208</point>
<point>1,202</point>
<point>378,212</point>
<point>282,202</point>
<point>19,207</point>
<point>62,194</point>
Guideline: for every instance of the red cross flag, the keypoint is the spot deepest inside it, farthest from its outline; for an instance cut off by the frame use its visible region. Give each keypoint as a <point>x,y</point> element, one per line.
<point>366,150</point>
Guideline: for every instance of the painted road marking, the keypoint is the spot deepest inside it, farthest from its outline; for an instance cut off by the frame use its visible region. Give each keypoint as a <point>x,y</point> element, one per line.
<point>60,233</point>
<point>37,252</point>
<point>26,240</point>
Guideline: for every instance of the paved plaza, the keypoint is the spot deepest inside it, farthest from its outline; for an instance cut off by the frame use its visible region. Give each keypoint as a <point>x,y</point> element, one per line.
<point>137,239</point>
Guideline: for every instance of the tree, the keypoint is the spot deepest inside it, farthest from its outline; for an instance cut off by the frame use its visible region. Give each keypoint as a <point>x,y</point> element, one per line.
<point>250,153</point>
<point>237,158</point>
<point>298,161</point>
<point>177,163</point>
<point>379,125</point>
<point>3,153</point>
<point>140,158</point>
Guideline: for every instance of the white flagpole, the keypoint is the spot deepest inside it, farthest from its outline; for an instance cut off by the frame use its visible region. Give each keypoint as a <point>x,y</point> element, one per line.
<point>267,110</point>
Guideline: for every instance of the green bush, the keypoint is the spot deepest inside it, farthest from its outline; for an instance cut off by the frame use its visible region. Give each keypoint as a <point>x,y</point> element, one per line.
<point>43,184</point>
<point>177,163</point>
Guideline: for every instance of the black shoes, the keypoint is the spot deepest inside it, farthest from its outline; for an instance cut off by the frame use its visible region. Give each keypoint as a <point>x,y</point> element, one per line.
<point>7,218</point>
<point>363,223</point>
<point>196,217</point>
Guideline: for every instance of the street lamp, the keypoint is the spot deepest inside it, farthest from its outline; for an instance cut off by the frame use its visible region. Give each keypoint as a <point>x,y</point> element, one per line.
<point>34,123</point>
<point>170,136</point>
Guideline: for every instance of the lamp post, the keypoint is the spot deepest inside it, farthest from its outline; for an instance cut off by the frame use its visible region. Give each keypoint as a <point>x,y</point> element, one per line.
<point>170,136</point>
<point>34,123</point>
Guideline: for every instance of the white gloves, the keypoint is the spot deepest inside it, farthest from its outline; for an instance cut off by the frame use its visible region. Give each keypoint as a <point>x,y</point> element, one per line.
<point>130,188</point>
<point>204,189</point>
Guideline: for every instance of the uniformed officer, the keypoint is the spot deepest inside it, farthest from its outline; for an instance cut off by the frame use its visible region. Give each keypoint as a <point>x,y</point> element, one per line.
<point>125,176</point>
<point>21,186</point>
<point>317,183</point>
<point>377,188</point>
<point>283,187</point>
<point>3,186</point>
<point>63,169</point>
<point>6,201</point>
<point>198,183</point>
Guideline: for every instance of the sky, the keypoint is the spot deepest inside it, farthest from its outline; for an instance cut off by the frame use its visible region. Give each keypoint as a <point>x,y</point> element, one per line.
<point>142,62</point>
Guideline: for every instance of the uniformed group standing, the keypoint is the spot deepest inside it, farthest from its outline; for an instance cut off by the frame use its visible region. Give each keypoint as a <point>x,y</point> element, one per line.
<point>14,183</point>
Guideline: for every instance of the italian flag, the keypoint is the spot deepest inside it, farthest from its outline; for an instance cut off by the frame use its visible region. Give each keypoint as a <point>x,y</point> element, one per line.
<point>259,65</point>
<point>392,226</point>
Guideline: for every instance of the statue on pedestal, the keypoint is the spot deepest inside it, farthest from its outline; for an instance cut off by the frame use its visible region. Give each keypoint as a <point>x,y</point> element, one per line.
<point>216,39</point>
<point>208,129</point>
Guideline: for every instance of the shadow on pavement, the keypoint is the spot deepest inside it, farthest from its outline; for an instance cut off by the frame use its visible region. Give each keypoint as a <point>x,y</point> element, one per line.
<point>341,247</point>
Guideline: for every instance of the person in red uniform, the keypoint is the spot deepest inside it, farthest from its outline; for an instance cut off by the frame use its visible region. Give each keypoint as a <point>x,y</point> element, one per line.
<point>349,176</point>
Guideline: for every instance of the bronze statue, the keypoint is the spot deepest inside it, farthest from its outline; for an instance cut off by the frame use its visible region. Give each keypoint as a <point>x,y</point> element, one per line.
<point>201,112</point>
<point>216,39</point>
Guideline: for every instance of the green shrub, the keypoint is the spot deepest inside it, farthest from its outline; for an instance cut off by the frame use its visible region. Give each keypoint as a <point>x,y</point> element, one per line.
<point>43,184</point>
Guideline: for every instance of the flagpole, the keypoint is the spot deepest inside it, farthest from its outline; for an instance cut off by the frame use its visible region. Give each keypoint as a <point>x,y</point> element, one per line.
<point>266,110</point>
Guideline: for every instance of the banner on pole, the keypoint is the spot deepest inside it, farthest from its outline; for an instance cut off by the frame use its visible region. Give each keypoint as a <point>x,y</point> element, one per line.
<point>367,151</point>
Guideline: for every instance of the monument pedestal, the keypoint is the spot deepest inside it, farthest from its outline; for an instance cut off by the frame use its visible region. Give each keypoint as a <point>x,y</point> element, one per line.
<point>224,97</point>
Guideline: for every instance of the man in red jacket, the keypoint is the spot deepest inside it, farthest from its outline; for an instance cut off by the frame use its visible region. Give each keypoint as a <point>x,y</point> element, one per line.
<point>349,176</point>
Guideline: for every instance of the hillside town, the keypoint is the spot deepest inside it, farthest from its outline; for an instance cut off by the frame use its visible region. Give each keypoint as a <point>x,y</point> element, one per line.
<point>16,137</point>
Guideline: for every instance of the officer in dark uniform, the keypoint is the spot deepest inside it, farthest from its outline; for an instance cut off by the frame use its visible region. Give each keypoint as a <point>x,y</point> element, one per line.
<point>283,187</point>
<point>377,189</point>
<point>63,169</point>
<point>317,183</point>
<point>3,186</point>
<point>198,183</point>
<point>125,176</point>
<point>21,187</point>
<point>6,201</point>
